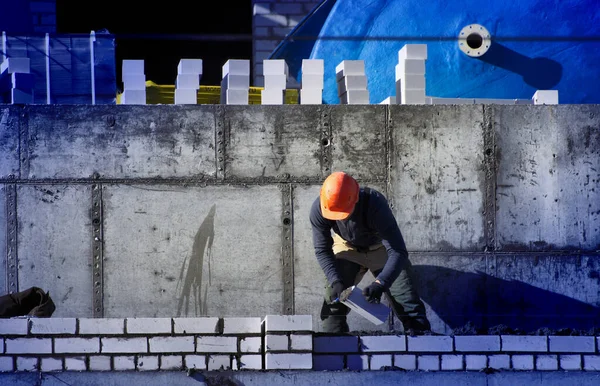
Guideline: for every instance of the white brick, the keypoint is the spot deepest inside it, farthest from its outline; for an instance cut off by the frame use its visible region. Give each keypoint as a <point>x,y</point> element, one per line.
<point>242,325</point>
<point>171,362</point>
<point>452,362</point>
<point>522,362</point>
<point>412,97</point>
<point>101,326</point>
<point>236,67</point>
<point>171,344</point>
<point>187,81</point>
<point>301,342</point>
<point>355,97</point>
<point>477,343</point>
<point>572,344</point>
<point>196,325</point>
<point>272,97</point>
<point>186,96</point>
<point>278,82</point>
<point>546,362</point>
<point>219,362</point>
<point>406,362</point>
<point>235,82</point>
<point>251,344</point>
<point>16,326</point>
<point>499,362</point>
<point>51,364</point>
<point>313,66</point>
<point>413,51</point>
<point>133,97</point>
<point>428,362</point>
<point>53,325</point>
<point>591,362</point>
<point>275,67</point>
<point>189,66</point>
<point>250,362</point>
<point>100,363</point>
<point>410,66</point>
<point>527,343</point>
<point>570,362</point>
<point>429,343</point>
<point>134,81</point>
<point>27,364</point>
<point>132,66</point>
<point>13,65</point>
<point>124,345</point>
<point>76,345</point>
<point>545,97</point>
<point>475,362</point>
<point>311,96</point>
<point>6,364</point>
<point>29,346</point>
<point>351,82</point>
<point>147,362</point>
<point>378,362</point>
<point>148,325</point>
<point>123,362</point>
<point>197,362</point>
<point>349,67</point>
<point>75,363</point>
<point>288,361</point>
<point>276,342</point>
<point>216,344</point>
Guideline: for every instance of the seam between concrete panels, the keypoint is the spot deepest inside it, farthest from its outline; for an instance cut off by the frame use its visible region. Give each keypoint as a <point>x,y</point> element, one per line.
<point>220,145</point>
<point>287,249</point>
<point>12,273</point>
<point>97,252</point>
<point>325,139</point>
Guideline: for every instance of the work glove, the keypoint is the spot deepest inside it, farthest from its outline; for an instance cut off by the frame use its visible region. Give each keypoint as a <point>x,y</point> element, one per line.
<point>373,292</point>
<point>336,290</point>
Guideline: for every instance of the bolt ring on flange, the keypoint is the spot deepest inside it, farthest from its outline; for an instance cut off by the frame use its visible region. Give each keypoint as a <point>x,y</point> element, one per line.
<point>474,40</point>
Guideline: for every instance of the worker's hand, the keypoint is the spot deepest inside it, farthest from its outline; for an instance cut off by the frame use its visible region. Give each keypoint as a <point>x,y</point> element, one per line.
<point>373,292</point>
<point>336,290</point>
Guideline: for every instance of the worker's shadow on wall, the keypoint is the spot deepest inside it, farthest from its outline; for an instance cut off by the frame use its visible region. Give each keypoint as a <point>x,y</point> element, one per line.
<point>465,298</point>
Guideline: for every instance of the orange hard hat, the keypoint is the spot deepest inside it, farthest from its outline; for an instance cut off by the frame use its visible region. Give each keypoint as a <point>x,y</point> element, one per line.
<point>339,194</point>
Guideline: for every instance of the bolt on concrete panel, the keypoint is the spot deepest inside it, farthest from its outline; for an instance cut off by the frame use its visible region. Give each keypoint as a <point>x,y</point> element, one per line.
<point>170,141</point>
<point>3,232</point>
<point>358,140</point>
<point>9,142</point>
<point>54,245</point>
<point>437,176</point>
<point>272,141</point>
<point>548,177</point>
<point>192,251</point>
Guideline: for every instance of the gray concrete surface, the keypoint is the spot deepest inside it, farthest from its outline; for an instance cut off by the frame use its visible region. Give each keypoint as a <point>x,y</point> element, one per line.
<point>302,378</point>
<point>498,205</point>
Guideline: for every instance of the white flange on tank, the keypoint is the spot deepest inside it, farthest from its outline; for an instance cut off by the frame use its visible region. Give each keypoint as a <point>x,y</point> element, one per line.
<point>474,40</point>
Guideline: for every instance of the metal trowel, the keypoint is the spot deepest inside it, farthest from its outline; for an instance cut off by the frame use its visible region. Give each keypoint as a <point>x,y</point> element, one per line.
<point>353,298</point>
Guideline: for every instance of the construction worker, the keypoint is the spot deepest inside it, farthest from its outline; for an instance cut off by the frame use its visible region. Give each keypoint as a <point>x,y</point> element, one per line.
<point>365,237</point>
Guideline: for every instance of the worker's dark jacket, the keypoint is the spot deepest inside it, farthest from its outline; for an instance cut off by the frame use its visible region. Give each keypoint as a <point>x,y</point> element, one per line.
<point>371,222</point>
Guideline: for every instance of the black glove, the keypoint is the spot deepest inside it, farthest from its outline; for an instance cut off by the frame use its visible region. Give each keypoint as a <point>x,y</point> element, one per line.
<point>336,290</point>
<point>373,292</point>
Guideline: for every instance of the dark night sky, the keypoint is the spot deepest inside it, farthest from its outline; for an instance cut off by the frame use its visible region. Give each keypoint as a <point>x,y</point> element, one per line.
<point>165,19</point>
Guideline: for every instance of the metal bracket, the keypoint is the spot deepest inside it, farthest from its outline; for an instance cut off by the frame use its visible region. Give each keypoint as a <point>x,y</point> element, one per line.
<point>12,267</point>
<point>220,141</point>
<point>287,249</point>
<point>97,252</point>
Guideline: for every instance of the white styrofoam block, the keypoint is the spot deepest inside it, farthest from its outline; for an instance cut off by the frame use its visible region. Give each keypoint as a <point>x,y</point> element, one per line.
<point>410,67</point>
<point>522,362</point>
<point>413,96</point>
<point>412,81</point>
<point>428,362</point>
<point>234,96</point>
<point>499,362</point>
<point>413,51</point>
<point>101,326</point>
<point>186,96</point>
<point>312,81</point>
<point>429,343</point>
<point>351,82</point>
<point>313,67</point>
<point>100,363</point>
<point>235,82</point>
<point>236,67</point>
<point>22,81</point>
<point>133,66</point>
<point>124,345</point>
<point>288,361</point>
<point>275,67</point>
<point>134,81</point>
<point>27,364</point>
<point>211,344</point>
<point>195,362</point>
<point>355,97</point>
<point>310,96</point>
<point>147,362</point>
<point>272,96</point>
<point>475,362</point>
<point>21,97</point>
<point>188,81</point>
<point>526,343</point>
<point>189,66</point>
<point>202,325</point>
<point>546,362</point>
<point>148,325</point>
<point>276,343</point>
<point>28,346</point>
<point>570,362</point>
<point>247,325</point>
<point>171,344</point>
<point>545,97</point>
<point>301,342</point>
<point>12,65</point>
<point>133,97</point>
<point>51,364</point>
<point>278,82</point>
<point>171,362</point>
<point>53,325</point>
<point>124,362</point>
<point>75,363</point>
<point>349,67</point>
<point>477,343</point>
<point>452,362</point>
<point>76,345</point>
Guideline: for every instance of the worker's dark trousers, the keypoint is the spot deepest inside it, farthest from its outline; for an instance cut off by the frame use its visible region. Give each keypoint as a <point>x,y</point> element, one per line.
<point>352,265</point>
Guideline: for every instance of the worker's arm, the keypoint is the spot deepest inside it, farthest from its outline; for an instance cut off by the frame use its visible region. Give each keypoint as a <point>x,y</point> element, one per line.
<point>383,221</point>
<point>323,243</point>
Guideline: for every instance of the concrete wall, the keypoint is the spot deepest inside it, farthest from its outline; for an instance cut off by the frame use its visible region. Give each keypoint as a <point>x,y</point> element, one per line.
<point>175,210</point>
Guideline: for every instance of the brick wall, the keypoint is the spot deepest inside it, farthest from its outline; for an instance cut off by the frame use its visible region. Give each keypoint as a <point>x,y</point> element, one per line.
<point>272,343</point>
<point>43,13</point>
<point>272,20</point>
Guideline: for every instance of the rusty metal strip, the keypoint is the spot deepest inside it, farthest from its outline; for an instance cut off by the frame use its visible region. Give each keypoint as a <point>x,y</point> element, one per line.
<point>489,144</point>
<point>325,139</point>
<point>97,253</point>
<point>12,266</point>
<point>220,141</point>
<point>287,249</point>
